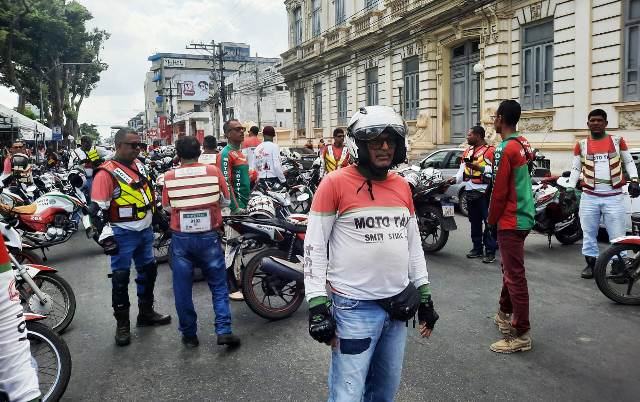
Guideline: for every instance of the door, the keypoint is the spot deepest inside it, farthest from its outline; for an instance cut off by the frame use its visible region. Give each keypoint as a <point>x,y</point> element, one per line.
<point>464,92</point>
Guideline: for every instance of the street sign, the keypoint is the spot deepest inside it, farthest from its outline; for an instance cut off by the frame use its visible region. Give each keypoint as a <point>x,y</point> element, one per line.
<point>56,133</point>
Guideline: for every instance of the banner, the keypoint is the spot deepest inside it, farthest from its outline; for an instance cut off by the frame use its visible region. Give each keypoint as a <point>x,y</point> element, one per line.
<point>195,87</point>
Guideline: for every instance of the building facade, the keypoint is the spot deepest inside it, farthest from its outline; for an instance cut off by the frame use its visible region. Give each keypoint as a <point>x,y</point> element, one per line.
<point>436,61</point>
<point>245,89</point>
<point>183,93</point>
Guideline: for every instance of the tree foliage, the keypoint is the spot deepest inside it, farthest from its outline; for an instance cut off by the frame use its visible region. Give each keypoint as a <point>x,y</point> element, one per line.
<point>91,131</point>
<point>37,38</point>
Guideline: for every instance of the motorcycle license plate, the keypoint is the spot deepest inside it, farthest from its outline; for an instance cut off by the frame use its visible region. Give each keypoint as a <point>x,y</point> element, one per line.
<point>447,210</point>
<point>86,221</point>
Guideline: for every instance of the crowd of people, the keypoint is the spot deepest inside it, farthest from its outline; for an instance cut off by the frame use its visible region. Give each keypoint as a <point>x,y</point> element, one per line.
<point>358,301</point>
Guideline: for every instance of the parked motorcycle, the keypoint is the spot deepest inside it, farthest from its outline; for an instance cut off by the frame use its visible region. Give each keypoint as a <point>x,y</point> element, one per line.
<point>50,356</point>
<point>617,269</point>
<point>434,208</point>
<point>268,294</point>
<point>556,214</point>
<point>42,290</point>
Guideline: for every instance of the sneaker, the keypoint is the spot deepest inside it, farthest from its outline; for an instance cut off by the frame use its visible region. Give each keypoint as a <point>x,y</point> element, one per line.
<point>503,321</point>
<point>236,296</point>
<point>190,341</point>
<point>489,258</point>
<point>475,254</point>
<point>230,340</point>
<point>510,344</point>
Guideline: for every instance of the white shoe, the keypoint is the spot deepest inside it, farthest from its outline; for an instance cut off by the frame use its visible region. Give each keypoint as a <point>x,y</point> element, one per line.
<point>236,296</point>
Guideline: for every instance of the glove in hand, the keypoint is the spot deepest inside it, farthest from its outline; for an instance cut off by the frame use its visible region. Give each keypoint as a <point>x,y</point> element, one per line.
<point>427,314</point>
<point>322,326</point>
<point>634,189</point>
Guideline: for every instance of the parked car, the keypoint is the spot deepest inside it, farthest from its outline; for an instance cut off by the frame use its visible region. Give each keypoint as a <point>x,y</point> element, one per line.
<point>448,162</point>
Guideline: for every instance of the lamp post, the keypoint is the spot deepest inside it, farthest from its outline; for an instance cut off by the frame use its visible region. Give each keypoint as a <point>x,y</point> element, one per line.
<point>478,68</point>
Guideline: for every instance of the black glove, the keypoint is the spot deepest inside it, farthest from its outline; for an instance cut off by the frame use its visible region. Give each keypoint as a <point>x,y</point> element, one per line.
<point>110,246</point>
<point>634,189</point>
<point>427,314</point>
<point>322,326</point>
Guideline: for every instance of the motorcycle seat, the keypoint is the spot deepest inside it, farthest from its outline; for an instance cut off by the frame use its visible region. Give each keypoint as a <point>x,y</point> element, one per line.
<point>20,210</point>
<point>295,227</point>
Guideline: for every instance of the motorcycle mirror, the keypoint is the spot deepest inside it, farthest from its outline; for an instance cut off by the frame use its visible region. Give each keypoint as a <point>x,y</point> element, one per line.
<point>566,174</point>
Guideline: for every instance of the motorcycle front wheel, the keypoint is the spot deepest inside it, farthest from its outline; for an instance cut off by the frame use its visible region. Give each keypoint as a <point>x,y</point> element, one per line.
<point>52,360</point>
<point>616,281</point>
<point>433,237</point>
<point>267,295</point>
<point>63,300</point>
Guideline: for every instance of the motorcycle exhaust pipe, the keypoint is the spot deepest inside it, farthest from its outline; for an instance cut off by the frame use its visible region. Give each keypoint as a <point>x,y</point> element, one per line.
<point>284,269</point>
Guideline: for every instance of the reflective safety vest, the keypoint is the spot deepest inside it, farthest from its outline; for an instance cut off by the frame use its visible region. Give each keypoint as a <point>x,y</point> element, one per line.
<point>587,156</point>
<point>481,156</point>
<point>93,155</point>
<point>330,163</point>
<point>135,196</point>
<point>194,194</point>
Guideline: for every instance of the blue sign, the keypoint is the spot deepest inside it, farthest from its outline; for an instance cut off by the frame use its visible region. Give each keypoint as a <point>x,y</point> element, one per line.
<point>56,134</point>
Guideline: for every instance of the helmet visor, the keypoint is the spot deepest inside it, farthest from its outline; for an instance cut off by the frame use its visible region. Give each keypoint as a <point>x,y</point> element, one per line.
<point>371,132</point>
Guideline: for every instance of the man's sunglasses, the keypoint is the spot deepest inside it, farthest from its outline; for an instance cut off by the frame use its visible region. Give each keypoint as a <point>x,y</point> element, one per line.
<point>339,136</point>
<point>243,129</point>
<point>378,142</point>
<point>134,144</point>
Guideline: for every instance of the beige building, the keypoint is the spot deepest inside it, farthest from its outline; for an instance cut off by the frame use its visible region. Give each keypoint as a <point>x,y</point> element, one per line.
<point>558,58</point>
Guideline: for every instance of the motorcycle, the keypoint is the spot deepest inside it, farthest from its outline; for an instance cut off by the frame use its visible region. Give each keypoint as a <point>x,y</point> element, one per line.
<point>42,290</point>
<point>434,208</point>
<point>299,185</point>
<point>617,269</point>
<point>556,215</point>
<point>269,294</point>
<point>50,356</point>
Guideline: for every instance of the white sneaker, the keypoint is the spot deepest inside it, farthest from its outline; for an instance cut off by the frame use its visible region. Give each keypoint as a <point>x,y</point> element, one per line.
<point>236,296</point>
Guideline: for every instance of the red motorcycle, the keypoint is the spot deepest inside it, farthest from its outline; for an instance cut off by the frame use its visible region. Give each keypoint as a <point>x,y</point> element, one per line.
<point>617,269</point>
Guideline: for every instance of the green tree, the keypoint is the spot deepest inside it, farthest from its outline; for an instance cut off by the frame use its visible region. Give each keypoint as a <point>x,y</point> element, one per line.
<point>37,38</point>
<point>91,131</point>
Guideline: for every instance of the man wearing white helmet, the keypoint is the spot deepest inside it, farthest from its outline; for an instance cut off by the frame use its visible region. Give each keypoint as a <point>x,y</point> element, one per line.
<point>379,287</point>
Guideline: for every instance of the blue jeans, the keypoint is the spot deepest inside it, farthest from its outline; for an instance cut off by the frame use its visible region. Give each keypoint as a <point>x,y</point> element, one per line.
<point>87,188</point>
<point>367,363</point>
<point>136,246</point>
<point>478,211</point>
<point>203,250</point>
<point>591,209</point>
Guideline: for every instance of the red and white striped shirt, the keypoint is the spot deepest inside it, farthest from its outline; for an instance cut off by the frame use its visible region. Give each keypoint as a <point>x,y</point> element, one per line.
<point>193,193</point>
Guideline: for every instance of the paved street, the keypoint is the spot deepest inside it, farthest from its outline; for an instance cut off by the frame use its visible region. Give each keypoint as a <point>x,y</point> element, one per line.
<point>584,346</point>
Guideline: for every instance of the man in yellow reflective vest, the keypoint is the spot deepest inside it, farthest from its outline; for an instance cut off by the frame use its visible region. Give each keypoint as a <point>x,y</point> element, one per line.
<point>335,156</point>
<point>89,158</point>
<point>122,210</point>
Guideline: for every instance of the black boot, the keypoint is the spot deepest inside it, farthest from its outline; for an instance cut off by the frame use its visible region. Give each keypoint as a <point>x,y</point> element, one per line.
<point>230,340</point>
<point>123,327</point>
<point>147,316</point>
<point>587,272</point>
<point>475,253</point>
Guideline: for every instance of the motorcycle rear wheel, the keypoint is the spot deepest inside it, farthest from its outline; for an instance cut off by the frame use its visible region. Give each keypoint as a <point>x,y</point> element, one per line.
<point>257,293</point>
<point>606,280</point>
<point>52,358</point>
<point>437,235</point>
<point>63,299</point>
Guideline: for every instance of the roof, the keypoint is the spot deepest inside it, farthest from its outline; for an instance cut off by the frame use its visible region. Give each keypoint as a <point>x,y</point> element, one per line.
<point>28,128</point>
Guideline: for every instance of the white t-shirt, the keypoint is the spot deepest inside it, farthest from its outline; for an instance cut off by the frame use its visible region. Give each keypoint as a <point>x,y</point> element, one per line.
<point>267,161</point>
<point>208,159</point>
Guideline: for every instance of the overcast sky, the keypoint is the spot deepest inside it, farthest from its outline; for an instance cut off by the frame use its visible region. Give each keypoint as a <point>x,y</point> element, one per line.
<point>140,28</point>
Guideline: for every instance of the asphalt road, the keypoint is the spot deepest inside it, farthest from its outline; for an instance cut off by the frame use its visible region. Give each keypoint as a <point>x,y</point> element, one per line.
<point>584,347</point>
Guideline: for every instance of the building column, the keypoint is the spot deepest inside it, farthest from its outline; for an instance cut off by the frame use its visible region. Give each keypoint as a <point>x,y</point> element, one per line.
<point>582,92</point>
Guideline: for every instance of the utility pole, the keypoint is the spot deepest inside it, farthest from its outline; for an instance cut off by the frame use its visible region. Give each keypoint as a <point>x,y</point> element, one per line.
<point>258,93</point>
<point>171,114</point>
<point>215,56</point>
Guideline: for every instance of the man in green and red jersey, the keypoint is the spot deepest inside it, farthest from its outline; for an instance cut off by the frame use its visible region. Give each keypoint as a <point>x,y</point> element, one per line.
<point>511,208</point>
<point>233,164</point>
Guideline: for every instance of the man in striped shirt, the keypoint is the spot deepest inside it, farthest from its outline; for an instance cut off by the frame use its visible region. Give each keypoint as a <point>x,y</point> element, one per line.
<point>194,194</point>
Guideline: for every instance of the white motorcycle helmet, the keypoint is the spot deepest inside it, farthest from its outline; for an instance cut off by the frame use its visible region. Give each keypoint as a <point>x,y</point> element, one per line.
<point>367,124</point>
<point>412,177</point>
<point>430,176</point>
<point>261,207</point>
